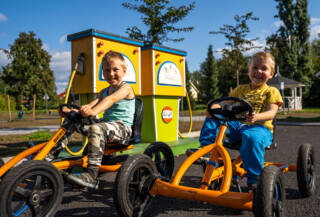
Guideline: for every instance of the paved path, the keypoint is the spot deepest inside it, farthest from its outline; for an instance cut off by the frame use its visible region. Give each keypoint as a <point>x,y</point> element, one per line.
<point>26,130</point>
<point>99,204</point>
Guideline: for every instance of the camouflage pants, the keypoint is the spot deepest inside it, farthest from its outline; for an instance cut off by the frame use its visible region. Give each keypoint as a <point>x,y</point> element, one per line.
<point>100,134</point>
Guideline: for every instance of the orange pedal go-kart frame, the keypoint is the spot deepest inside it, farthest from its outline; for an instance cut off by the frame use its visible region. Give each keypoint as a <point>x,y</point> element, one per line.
<point>139,172</point>
<point>32,186</point>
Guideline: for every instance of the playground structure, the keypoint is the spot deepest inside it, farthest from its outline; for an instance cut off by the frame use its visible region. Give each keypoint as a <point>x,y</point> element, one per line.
<point>156,73</point>
<point>32,185</point>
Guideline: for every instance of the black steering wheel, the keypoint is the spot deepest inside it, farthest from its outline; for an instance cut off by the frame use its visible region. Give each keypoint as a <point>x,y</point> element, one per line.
<point>235,111</point>
<point>76,116</point>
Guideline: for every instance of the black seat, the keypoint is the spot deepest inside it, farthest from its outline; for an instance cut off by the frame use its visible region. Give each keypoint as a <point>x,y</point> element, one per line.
<point>136,127</point>
<point>235,145</point>
<point>137,123</point>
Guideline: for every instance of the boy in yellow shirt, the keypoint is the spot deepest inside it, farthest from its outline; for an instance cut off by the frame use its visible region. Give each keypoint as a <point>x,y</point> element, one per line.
<point>257,132</point>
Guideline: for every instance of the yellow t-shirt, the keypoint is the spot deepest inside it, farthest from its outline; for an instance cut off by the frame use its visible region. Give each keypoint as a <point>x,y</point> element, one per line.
<point>259,99</point>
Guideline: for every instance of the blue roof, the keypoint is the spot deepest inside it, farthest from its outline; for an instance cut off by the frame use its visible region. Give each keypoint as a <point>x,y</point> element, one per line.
<point>98,33</point>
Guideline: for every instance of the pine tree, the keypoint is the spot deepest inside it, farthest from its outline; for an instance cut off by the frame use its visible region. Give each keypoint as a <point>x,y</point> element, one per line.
<point>160,20</point>
<point>209,81</point>
<point>29,72</point>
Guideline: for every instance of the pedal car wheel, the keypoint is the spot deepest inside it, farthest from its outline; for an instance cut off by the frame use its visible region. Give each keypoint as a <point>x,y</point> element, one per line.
<point>163,157</point>
<point>131,187</point>
<point>118,159</point>
<point>306,170</point>
<point>269,197</point>
<point>1,162</point>
<point>34,188</point>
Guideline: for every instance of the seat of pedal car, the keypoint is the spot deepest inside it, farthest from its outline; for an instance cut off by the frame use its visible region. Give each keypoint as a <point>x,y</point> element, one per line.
<point>136,127</point>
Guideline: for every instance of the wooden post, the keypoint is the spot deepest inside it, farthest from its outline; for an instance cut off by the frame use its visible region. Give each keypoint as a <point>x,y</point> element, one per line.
<point>9,109</point>
<point>34,107</point>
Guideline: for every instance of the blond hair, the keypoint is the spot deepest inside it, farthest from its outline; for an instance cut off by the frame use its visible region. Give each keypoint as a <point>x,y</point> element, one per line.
<point>264,56</point>
<point>107,59</point>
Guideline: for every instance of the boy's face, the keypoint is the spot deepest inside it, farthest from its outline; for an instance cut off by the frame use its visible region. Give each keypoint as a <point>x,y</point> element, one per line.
<point>114,72</point>
<point>259,72</point>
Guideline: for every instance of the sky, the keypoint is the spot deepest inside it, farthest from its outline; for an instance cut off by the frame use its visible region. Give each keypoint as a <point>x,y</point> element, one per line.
<point>52,21</point>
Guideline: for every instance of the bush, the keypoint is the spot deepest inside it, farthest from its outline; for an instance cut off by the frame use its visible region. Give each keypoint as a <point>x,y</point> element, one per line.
<point>200,107</point>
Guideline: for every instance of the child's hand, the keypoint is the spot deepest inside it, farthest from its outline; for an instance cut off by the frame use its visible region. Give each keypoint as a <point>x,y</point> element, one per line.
<point>251,118</point>
<point>86,111</point>
<point>63,111</point>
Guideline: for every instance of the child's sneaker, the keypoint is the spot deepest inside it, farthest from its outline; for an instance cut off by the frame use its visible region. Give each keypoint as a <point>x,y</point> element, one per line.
<point>86,179</point>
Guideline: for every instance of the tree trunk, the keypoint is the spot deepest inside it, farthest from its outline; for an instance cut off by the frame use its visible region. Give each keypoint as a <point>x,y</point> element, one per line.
<point>237,77</point>
<point>9,109</point>
<point>34,107</point>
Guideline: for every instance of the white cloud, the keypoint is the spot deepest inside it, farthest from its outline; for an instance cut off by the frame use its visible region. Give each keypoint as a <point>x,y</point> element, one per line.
<point>61,65</point>
<point>260,44</point>
<point>278,23</point>
<point>46,47</point>
<point>3,18</point>
<point>315,30</point>
<point>63,39</point>
<point>314,20</point>
<point>3,59</point>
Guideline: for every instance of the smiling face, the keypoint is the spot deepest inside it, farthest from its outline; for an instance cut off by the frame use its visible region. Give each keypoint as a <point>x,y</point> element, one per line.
<point>260,71</point>
<point>113,71</point>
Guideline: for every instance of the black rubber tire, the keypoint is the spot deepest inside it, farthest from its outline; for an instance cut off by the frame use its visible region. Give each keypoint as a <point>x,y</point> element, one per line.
<point>118,159</point>
<point>269,197</point>
<point>34,188</point>
<point>306,174</point>
<point>128,193</point>
<point>1,162</point>
<point>163,157</point>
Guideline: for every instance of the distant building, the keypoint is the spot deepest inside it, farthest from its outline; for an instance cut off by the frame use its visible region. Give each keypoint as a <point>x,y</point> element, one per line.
<point>193,91</point>
<point>62,95</point>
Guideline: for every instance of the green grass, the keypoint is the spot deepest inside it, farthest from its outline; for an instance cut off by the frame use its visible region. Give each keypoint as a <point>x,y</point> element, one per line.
<point>39,135</point>
<point>308,110</point>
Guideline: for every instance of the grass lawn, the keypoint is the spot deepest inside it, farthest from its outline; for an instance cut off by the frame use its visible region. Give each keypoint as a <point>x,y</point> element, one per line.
<point>10,143</point>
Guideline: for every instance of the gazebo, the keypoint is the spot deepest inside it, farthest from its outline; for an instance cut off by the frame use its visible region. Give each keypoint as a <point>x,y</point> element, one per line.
<point>294,101</point>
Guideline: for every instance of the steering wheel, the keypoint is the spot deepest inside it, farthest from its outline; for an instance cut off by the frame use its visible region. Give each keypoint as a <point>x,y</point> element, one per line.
<point>230,112</point>
<point>76,116</point>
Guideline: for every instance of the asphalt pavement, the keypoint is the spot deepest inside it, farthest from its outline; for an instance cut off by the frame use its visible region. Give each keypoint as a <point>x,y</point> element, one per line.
<point>289,138</point>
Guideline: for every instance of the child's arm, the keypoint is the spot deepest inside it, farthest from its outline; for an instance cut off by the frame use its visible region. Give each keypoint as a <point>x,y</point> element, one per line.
<point>269,114</point>
<point>123,92</point>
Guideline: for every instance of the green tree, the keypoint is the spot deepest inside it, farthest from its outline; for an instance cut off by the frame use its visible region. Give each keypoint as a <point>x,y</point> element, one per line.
<point>29,72</point>
<point>188,80</point>
<point>237,43</point>
<point>314,96</point>
<point>160,20</point>
<point>302,20</point>
<point>209,80</point>
<point>315,53</point>
<point>292,41</point>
